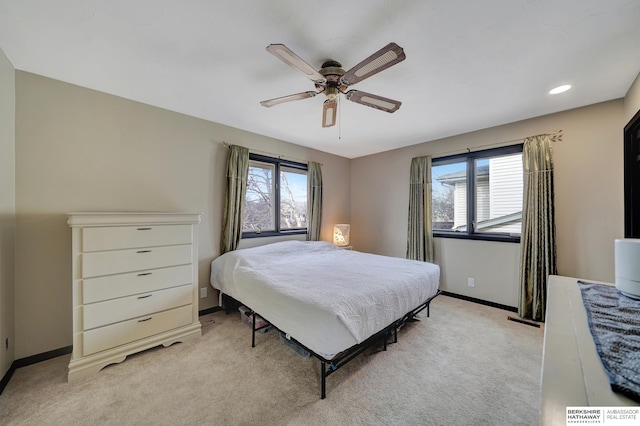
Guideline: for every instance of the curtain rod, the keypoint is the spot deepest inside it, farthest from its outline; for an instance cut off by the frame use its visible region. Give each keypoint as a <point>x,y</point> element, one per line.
<point>555,136</point>
<point>271,154</point>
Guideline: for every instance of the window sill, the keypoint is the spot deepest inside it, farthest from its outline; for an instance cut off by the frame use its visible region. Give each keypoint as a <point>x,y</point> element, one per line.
<point>273,233</point>
<point>479,237</point>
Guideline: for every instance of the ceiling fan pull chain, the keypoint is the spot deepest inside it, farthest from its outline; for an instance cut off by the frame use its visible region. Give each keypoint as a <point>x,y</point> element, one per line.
<point>339,120</point>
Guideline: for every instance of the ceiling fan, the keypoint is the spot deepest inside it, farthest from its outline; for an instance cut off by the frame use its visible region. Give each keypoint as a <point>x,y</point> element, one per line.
<point>332,80</point>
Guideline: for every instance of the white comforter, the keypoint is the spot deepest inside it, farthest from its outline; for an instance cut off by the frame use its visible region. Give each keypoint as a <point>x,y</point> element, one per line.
<point>326,298</point>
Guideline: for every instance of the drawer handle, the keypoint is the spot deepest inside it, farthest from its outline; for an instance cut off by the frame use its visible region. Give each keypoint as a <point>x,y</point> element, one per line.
<point>143,251</point>
<point>145,319</point>
<point>142,274</point>
<point>144,229</point>
<point>145,296</point>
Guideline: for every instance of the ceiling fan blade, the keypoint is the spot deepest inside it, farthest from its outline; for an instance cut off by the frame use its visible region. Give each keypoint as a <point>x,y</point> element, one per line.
<point>373,101</point>
<point>296,97</point>
<point>329,110</point>
<point>294,61</point>
<point>389,55</point>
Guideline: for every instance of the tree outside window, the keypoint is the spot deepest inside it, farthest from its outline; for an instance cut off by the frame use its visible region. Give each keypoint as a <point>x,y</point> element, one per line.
<point>276,200</point>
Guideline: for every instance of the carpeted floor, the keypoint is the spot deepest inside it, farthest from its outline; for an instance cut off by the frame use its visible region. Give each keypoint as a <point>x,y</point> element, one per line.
<point>465,365</point>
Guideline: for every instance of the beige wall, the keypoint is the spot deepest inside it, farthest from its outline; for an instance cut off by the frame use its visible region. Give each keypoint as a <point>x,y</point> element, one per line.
<point>588,197</point>
<point>81,150</point>
<point>632,100</point>
<point>7,211</point>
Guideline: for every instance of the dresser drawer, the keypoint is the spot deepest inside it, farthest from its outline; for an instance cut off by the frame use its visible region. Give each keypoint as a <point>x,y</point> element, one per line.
<point>115,286</point>
<point>120,261</point>
<point>123,237</point>
<point>125,332</point>
<point>116,310</point>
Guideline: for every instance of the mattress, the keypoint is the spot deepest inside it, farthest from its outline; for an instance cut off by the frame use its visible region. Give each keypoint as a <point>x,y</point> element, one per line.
<point>326,298</point>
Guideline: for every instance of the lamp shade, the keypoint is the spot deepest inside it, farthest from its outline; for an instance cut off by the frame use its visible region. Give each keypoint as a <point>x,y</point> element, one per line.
<point>341,234</point>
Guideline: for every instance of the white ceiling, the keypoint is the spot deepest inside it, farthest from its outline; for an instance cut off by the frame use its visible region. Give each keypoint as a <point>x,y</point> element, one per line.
<point>470,64</point>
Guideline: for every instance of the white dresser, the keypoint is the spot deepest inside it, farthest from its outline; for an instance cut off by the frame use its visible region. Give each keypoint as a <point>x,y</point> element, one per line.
<point>572,373</point>
<point>135,285</point>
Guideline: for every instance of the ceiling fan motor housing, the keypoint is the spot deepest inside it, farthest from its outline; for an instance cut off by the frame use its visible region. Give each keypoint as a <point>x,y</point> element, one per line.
<point>332,71</point>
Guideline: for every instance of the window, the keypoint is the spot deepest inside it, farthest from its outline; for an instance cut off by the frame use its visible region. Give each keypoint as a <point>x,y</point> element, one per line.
<point>276,200</point>
<point>491,182</point>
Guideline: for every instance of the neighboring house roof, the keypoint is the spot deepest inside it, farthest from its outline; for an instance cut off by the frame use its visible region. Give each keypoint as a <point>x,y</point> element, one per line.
<point>488,224</point>
<point>461,176</point>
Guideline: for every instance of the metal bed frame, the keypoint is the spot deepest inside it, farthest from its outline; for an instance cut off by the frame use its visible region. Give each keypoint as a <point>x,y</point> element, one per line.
<point>330,366</point>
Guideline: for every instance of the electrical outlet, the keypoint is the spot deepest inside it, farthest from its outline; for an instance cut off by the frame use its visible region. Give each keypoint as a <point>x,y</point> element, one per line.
<point>203,292</point>
<point>471,282</point>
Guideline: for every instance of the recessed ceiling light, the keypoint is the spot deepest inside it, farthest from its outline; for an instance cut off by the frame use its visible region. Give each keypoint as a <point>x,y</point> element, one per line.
<point>559,89</point>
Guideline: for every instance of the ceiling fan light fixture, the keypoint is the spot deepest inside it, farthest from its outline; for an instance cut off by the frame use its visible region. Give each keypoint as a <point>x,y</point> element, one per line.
<point>331,92</point>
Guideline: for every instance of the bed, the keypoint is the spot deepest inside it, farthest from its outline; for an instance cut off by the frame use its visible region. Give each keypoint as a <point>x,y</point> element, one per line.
<point>331,302</point>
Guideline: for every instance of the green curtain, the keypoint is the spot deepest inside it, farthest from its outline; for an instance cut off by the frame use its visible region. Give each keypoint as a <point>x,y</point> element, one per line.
<point>420,235</point>
<point>314,201</point>
<point>237,175</point>
<point>538,238</point>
